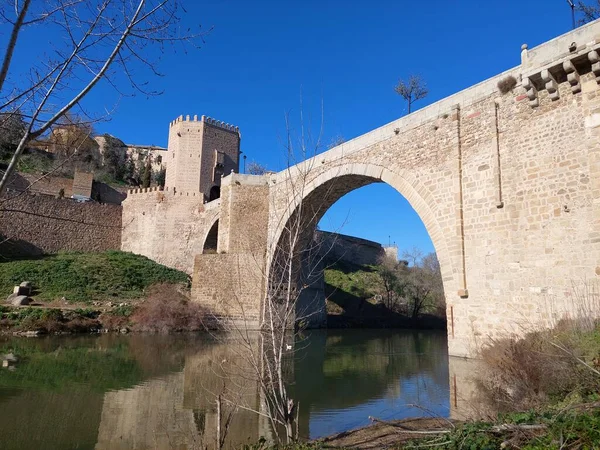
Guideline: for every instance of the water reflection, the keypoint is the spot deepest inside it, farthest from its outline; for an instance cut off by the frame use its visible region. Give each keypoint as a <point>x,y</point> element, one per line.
<point>146,392</point>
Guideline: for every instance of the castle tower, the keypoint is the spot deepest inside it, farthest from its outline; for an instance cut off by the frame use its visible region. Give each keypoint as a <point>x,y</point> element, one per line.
<point>200,153</point>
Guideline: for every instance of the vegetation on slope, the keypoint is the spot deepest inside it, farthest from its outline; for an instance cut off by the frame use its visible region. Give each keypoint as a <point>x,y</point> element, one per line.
<point>386,295</point>
<point>83,277</point>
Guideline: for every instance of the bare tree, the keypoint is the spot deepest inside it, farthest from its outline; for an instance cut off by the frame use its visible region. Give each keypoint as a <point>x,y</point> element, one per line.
<point>411,90</point>
<point>335,141</point>
<point>288,304</point>
<point>589,12</point>
<point>255,168</point>
<point>92,41</point>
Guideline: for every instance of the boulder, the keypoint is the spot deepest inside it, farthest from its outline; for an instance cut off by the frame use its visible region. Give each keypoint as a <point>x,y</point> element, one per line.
<point>26,284</point>
<point>10,357</point>
<point>11,297</point>
<point>22,290</point>
<point>21,300</point>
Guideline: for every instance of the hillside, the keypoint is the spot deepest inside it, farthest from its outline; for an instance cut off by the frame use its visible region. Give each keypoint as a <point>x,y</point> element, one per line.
<point>84,277</point>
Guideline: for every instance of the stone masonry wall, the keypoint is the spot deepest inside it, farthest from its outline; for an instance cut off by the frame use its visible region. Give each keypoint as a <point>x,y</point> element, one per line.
<point>507,185</point>
<point>349,248</point>
<point>225,141</point>
<point>39,224</point>
<point>192,157</point>
<point>168,227</point>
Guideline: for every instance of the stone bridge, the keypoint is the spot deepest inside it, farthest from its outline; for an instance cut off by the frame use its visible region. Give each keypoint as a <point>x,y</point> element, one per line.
<point>505,176</point>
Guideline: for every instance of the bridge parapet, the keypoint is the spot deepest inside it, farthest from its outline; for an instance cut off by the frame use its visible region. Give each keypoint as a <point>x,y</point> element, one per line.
<point>550,55</point>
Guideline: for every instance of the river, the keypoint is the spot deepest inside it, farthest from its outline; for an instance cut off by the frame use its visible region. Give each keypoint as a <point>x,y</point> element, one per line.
<point>155,391</point>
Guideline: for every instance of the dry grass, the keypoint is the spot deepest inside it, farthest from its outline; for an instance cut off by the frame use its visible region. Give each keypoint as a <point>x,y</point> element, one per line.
<point>505,85</point>
<point>166,309</point>
<point>543,367</point>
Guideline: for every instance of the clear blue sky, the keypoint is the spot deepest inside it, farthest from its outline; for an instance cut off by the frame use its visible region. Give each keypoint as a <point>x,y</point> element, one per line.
<point>348,54</point>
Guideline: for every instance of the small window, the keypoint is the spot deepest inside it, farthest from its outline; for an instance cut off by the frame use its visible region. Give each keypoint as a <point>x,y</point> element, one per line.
<point>215,193</point>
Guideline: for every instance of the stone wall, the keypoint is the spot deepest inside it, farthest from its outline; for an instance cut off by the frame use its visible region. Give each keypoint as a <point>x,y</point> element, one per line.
<point>101,192</point>
<point>340,247</point>
<point>39,224</point>
<point>168,227</point>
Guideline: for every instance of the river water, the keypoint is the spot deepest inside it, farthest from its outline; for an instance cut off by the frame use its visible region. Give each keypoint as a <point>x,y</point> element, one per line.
<point>155,391</point>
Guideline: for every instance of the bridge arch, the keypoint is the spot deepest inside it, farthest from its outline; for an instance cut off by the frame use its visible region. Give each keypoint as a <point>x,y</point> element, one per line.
<point>210,239</point>
<point>327,186</point>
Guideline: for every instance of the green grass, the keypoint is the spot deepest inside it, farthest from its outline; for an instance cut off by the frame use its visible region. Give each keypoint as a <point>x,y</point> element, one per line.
<point>345,279</point>
<point>564,430</point>
<point>83,277</point>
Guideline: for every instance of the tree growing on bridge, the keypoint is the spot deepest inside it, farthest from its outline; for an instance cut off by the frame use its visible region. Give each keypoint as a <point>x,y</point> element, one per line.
<point>588,11</point>
<point>89,42</point>
<point>411,90</point>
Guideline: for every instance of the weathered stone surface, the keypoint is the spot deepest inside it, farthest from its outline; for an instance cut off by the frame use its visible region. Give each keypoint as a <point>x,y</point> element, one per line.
<point>21,300</point>
<point>23,289</point>
<point>38,224</point>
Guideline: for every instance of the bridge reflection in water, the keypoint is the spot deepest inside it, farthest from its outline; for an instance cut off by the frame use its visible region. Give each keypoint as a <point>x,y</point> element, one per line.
<point>148,392</point>
<point>339,379</point>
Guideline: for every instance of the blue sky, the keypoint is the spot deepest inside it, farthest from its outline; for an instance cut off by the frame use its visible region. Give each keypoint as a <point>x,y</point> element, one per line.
<point>346,55</point>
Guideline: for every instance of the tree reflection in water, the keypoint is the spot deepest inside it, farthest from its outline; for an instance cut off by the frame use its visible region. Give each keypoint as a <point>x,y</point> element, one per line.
<point>137,392</point>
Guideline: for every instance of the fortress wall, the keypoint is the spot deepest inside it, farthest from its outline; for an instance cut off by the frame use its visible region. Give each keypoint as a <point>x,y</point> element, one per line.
<point>349,248</point>
<point>39,224</point>
<point>168,228</point>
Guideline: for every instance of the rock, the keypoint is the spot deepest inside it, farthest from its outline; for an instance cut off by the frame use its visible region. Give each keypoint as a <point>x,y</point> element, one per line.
<point>9,357</point>
<point>8,360</point>
<point>26,284</point>
<point>21,300</point>
<point>11,297</point>
<point>22,290</point>
<point>124,330</point>
<point>32,333</point>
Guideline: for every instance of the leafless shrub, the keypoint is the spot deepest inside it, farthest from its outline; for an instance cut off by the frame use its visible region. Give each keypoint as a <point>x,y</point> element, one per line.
<point>165,310</point>
<point>507,84</point>
<point>546,364</point>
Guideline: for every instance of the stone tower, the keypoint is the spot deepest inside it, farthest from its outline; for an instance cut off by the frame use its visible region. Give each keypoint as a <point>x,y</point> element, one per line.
<point>200,153</point>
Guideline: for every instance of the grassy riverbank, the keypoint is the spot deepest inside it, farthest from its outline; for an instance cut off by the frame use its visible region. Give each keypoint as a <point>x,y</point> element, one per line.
<point>82,292</point>
<point>87,277</point>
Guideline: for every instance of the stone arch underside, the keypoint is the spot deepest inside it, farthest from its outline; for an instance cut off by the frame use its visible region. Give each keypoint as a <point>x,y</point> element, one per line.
<point>211,238</point>
<point>318,194</point>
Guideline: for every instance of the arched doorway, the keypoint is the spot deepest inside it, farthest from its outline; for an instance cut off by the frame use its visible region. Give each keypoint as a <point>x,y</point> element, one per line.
<point>215,193</point>
<point>211,241</point>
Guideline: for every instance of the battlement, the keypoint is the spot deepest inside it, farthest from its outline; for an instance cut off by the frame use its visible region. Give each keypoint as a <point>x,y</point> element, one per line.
<point>173,192</point>
<point>208,120</point>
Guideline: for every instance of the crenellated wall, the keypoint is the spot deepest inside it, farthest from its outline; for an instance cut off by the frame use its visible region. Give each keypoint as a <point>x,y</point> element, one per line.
<point>168,227</point>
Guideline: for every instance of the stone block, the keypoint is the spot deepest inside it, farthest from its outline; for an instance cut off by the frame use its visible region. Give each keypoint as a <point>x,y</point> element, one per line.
<point>21,300</point>
<point>22,290</point>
